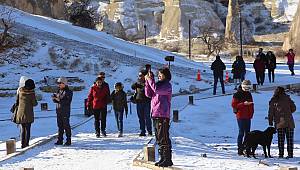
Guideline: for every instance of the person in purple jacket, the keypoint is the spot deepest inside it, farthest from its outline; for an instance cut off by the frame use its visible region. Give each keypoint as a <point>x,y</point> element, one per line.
<point>161,94</point>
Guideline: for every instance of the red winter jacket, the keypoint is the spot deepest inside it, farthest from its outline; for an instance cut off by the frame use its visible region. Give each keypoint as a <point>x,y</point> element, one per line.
<point>290,58</point>
<point>259,65</point>
<point>98,97</point>
<point>241,110</point>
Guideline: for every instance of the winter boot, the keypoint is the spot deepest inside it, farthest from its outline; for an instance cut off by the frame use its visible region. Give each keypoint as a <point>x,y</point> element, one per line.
<point>161,157</point>
<point>59,142</point>
<point>120,135</point>
<point>68,142</point>
<point>240,152</point>
<point>103,133</point>
<point>168,159</point>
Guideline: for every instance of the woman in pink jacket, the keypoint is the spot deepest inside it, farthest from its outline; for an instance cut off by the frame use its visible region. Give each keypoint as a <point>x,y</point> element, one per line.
<point>161,94</point>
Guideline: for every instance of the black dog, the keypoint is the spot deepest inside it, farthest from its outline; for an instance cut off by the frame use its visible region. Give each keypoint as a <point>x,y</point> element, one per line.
<point>256,137</point>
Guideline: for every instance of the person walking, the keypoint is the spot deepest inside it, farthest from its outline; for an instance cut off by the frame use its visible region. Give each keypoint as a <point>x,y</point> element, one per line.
<point>143,104</point>
<point>259,67</point>
<point>243,107</point>
<point>238,70</point>
<point>63,98</point>
<point>291,61</point>
<point>281,107</point>
<point>119,102</point>
<point>271,65</point>
<point>26,100</point>
<point>218,67</point>
<point>161,94</point>
<point>98,98</point>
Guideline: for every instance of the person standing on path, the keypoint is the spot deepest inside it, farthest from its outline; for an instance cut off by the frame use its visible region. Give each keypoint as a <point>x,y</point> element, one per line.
<point>291,61</point>
<point>271,65</point>
<point>259,67</point>
<point>143,104</point>
<point>281,107</point>
<point>161,94</point>
<point>238,70</point>
<point>218,67</point>
<point>119,102</point>
<point>243,108</point>
<point>98,98</point>
<point>63,98</point>
<point>26,100</point>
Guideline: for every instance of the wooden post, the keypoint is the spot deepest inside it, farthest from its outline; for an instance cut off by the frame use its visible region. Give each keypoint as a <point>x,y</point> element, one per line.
<point>288,168</point>
<point>10,146</point>
<point>44,106</point>
<point>191,100</point>
<point>26,168</point>
<point>175,116</point>
<point>149,153</point>
<point>254,87</point>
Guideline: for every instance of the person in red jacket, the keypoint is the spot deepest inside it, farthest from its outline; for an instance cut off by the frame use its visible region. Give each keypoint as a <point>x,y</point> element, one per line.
<point>98,99</point>
<point>243,107</point>
<point>259,67</point>
<point>291,61</point>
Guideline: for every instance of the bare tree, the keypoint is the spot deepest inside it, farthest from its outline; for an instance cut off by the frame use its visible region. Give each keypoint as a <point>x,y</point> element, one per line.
<point>213,39</point>
<point>7,22</point>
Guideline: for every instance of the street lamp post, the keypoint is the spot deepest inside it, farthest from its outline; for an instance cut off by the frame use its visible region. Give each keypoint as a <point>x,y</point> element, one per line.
<point>190,43</point>
<point>241,30</point>
<point>145,34</point>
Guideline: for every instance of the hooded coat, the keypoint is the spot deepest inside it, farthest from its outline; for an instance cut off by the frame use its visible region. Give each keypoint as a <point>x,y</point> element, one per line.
<point>27,101</point>
<point>280,112</point>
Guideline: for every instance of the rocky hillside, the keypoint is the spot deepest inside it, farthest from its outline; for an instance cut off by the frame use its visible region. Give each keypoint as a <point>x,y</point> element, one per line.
<point>168,19</point>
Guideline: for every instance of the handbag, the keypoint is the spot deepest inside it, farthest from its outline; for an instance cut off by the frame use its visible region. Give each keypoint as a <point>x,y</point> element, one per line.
<point>14,110</point>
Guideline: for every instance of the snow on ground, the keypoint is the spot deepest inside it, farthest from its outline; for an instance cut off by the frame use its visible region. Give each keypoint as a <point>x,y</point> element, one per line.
<point>202,129</point>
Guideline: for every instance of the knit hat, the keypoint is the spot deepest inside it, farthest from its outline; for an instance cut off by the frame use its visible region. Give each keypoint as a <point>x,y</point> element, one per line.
<point>22,81</point>
<point>246,85</point>
<point>62,80</point>
<point>29,84</point>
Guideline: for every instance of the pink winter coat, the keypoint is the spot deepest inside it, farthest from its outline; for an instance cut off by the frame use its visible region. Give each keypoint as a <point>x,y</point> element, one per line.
<point>160,94</point>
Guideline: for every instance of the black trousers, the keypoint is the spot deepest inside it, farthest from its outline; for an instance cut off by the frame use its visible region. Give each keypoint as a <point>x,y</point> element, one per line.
<point>161,128</point>
<point>271,75</point>
<point>100,115</point>
<point>216,78</point>
<point>260,77</point>
<point>63,124</point>
<point>25,134</point>
<point>291,68</point>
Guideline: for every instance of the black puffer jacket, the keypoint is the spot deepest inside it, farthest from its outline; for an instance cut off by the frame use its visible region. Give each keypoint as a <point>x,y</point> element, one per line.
<point>63,104</point>
<point>119,101</point>
<point>218,67</point>
<point>139,88</point>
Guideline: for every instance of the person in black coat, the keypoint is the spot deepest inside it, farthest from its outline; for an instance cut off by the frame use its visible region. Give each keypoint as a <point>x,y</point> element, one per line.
<point>238,70</point>
<point>143,104</point>
<point>271,65</point>
<point>119,102</point>
<point>218,67</point>
<point>63,99</point>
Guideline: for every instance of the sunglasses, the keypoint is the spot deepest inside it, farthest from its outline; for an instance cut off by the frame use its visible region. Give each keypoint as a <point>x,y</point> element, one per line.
<point>60,83</point>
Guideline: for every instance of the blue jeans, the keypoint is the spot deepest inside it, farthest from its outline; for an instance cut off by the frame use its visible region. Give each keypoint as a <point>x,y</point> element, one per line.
<point>244,128</point>
<point>143,112</point>
<point>119,120</point>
